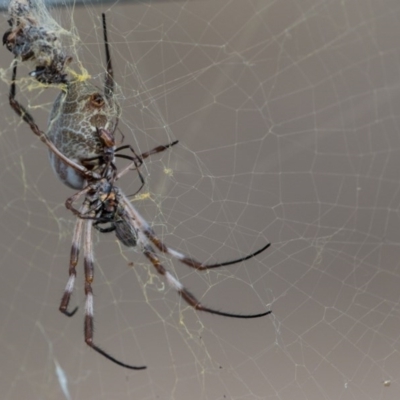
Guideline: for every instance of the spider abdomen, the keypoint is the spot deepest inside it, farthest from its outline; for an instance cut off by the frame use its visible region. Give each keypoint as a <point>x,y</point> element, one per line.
<point>126,233</point>
<point>75,120</point>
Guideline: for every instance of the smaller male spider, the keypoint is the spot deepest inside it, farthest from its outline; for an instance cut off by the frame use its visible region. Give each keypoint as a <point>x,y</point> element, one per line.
<point>82,150</point>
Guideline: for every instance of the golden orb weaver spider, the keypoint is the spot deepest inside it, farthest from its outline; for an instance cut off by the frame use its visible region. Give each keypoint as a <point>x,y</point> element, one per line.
<point>80,138</point>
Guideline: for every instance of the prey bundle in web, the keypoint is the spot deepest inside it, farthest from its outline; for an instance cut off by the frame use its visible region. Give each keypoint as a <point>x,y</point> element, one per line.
<point>34,37</point>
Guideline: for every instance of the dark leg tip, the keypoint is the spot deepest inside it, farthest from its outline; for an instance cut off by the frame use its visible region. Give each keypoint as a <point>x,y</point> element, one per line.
<point>69,313</point>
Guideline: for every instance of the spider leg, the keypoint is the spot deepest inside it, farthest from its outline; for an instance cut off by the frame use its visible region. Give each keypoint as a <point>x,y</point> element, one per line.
<point>189,261</point>
<point>141,157</point>
<point>146,154</point>
<point>75,248</point>
<point>142,229</point>
<point>185,294</point>
<point>137,161</point>
<point>27,117</point>
<point>109,79</point>
<point>157,149</point>
<point>71,200</point>
<point>108,229</point>
<point>88,324</point>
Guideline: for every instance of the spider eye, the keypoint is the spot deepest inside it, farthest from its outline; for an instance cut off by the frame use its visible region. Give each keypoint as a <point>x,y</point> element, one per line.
<point>97,100</point>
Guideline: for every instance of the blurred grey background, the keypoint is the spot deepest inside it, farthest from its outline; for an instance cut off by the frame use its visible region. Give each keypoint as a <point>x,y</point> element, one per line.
<point>287,115</point>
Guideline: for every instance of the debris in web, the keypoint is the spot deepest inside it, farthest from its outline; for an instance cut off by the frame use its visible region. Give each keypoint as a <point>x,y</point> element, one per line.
<point>34,37</point>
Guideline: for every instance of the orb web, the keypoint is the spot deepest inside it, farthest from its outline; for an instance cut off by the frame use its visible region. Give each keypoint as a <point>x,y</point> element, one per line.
<point>287,122</point>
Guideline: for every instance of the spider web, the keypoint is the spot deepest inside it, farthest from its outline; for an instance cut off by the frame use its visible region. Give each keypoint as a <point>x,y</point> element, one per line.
<point>288,126</point>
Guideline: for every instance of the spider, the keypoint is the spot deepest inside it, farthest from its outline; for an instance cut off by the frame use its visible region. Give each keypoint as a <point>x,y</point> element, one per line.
<point>106,203</point>
<point>82,150</point>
